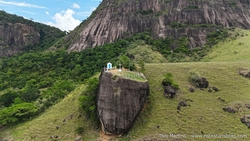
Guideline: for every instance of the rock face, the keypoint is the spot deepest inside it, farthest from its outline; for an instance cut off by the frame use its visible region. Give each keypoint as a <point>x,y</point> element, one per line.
<point>114,19</point>
<point>119,102</point>
<point>14,38</point>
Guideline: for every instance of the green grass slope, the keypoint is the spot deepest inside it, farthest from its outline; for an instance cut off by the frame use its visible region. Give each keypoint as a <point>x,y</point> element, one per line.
<point>160,118</point>
<point>60,120</point>
<point>205,113</point>
<point>236,48</point>
<point>144,52</point>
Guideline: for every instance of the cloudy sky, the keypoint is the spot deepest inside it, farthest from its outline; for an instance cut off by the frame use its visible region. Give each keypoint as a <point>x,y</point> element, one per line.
<point>64,14</point>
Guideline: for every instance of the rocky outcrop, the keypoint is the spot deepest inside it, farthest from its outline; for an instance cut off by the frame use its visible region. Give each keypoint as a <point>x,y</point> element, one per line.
<point>169,91</point>
<point>244,72</point>
<point>114,19</point>
<point>15,37</point>
<point>119,102</point>
<point>246,120</point>
<point>202,83</point>
<point>229,109</point>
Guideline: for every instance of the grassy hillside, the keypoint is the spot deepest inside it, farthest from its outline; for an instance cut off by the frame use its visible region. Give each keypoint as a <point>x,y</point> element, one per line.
<point>160,118</point>
<point>142,51</point>
<point>236,48</point>
<point>205,113</point>
<point>60,120</point>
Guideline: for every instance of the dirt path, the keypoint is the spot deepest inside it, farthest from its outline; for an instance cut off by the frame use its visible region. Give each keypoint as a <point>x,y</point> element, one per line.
<point>104,137</point>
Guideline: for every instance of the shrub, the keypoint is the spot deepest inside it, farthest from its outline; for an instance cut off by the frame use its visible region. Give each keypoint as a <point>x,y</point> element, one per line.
<point>194,77</point>
<point>8,98</point>
<point>169,81</point>
<point>88,99</point>
<point>30,94</point>
<point>79,130</point>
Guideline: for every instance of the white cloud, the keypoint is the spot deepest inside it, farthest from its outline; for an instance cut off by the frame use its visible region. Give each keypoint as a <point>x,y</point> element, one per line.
<point>21,4</point>
<point>76,6</point>
<point>29,12</point>
<point>65,20</point>
<point>47,12</point>
<point>86,13</point>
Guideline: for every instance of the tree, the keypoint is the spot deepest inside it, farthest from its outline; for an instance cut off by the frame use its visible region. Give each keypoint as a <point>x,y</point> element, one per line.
<point>142,66</point>
<point>88,99</point>
<point>30,94</point>
<point>17,112</point>
<point>125,61</point>
<point>8,98</point>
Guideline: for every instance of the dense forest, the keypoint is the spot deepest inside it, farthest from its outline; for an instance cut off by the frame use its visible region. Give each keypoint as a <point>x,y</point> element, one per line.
<point>31,82</point>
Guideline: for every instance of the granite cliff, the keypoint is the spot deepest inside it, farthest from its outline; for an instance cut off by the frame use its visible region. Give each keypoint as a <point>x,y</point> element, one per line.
<point>18,34</point>
<point>15,37</point>
<point>119,102</point>
<point>194,19</point>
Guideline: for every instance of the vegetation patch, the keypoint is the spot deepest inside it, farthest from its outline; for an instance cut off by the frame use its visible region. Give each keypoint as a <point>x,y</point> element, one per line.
<point>205,113</point>
<point>88,100</point>
<point>191,7</point>
<point>169,81</point>
<point>62,121</point>
<point>224,51</point>
<point>145,12</point>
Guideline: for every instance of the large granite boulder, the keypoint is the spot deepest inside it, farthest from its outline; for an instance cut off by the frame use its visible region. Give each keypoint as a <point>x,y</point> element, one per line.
<point>119,102</point>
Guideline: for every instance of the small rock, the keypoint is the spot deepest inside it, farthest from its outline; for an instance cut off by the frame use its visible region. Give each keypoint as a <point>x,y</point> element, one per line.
<point>243,120</point>
<point>189,100</point>
<point>203,83</point>
<point>191,90</point>
<point>248,124</point>
<point>215,89</point>
<point>79,138</point>
<point>210,90</point>
<point>247,106</point>
<point>244,72</point>
<point>223,100</point>
<point>183,104</point>
<point>246,120</point>
<point>169,91</point>
<point>230,110</point>
<point>179,107</point>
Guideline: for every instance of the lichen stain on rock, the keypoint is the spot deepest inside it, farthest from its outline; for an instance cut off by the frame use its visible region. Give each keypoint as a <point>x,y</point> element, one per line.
<point>119,102</point>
